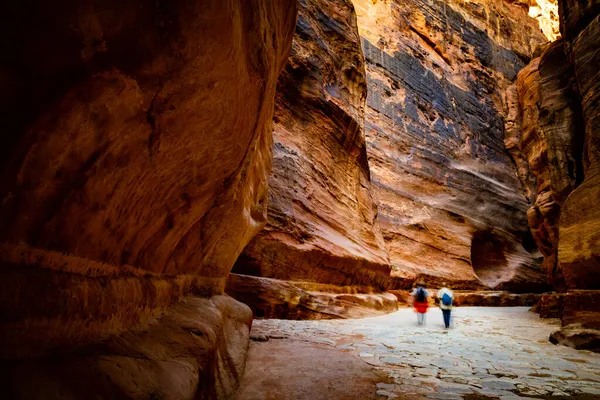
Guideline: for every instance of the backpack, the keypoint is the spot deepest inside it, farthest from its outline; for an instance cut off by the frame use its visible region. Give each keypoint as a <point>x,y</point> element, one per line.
<point>421,295</point>
<point>446,299</point>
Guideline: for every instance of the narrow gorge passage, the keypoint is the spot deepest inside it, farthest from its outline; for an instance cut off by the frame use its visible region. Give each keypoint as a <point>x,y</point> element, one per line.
<point>489,353</point>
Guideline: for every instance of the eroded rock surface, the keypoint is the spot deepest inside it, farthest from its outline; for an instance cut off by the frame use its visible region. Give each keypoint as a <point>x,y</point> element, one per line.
<point>450,204</point>
<point>274,298</point>
<point>180,355</point>
<point>579,246</point>
<point>548,134</point>
<point>136,151</point>
<point>559,99</point>
<point>322,223</point>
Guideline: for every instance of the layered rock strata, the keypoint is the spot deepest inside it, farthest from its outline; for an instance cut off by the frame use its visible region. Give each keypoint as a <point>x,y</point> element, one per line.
<point>450,204</point>
<point>322,221</point>
<point>559,100</point>
<point>579,243</point>
<point>274,298</point>
<point>547,133</point>
<point>136,151</point>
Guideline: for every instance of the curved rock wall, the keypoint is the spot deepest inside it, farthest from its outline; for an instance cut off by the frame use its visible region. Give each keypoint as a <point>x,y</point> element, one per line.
<point>447,193</point>
<point>559,103</point>
<point>549,136</point>
<point>136,151</point>
<point>554,131</point>
<point>322,221</point>
<point>579,228</point>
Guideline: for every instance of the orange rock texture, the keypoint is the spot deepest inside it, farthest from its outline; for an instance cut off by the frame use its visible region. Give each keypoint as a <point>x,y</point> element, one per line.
<point>556,131</point>
<point>579,243</point>
<point>275,298</point>
<point>450,204</point>
<point>548,133</point>
<point>136,152</point>
<point>322,221</point>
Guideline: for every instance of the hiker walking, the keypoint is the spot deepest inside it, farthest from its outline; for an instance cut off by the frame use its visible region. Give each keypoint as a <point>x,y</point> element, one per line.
<point>420,303</point>
<point>446,297</point>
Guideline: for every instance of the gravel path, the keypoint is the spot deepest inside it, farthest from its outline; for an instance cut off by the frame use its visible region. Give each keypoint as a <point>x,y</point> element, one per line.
<point>488,353</point>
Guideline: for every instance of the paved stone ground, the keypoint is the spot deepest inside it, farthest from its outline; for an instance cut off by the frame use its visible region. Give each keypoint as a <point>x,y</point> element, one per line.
<point>487,353</point>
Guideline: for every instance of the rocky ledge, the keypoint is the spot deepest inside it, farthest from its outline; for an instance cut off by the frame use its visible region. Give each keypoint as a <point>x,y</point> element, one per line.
<point>274,298</point>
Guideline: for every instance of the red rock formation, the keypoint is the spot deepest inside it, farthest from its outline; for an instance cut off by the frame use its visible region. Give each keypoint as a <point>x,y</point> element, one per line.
<point>139,136</point>
<point>450,205</point>
<point>559,99</point>
<point>548,136</point>
<point>274,298</point>
<point>579,246</point>
<point>559,109</point>
<point>322,224</point>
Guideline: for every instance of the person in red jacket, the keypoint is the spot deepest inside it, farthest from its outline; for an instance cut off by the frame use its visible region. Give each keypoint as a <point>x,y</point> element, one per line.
<point>420,298</point>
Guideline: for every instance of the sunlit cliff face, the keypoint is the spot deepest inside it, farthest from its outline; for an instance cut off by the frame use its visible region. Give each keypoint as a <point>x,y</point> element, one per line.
<point>546,12</point>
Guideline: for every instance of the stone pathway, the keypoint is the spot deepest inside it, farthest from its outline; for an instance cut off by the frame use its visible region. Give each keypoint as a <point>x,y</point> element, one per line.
<point>488,353</point>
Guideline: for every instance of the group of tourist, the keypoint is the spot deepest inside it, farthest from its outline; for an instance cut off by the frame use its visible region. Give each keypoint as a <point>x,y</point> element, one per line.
<point>420,300</point>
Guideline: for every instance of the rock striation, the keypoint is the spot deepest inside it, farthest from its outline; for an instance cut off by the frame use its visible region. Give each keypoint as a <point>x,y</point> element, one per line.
<point>136,152</point>
<point>322,221</point>
<point>450,204</point>
<point>547,134</point>
<point>579,228</point>
<point>559,107</point>
<point>274,298</point>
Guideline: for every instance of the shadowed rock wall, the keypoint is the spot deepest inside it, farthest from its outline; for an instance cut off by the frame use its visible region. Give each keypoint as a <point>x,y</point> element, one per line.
<point>548,134</point>
<point>322,222</point>
<point>579,243</point>
<point>554,131</point>
<point>559,104</point>
<point>136,151</point>
<point>450,204</point>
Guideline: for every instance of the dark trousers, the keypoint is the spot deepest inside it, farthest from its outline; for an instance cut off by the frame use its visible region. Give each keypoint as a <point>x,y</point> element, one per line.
<point>446,317</point>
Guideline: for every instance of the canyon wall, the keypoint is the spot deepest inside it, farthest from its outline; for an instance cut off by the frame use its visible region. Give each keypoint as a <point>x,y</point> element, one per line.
<point>136,151</point>
<point>450,204</point>
<point>322,222</point>
<point>426,191</point>
<point>556,132</point>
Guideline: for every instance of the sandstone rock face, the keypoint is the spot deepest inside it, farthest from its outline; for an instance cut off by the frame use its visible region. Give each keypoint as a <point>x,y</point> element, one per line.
<point>556,130</point>
<point>322,222</point>
<point>550,305</point>
<point>274,298</point>
<point>135,158</point>
<point>547,133</point>
<point>564,84</point>
<point>581,321</point>
<point>197,349</point>
<point>138,162</point>
<point>579,246</point>
<point>450,204</point>
<point>546,12</point>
